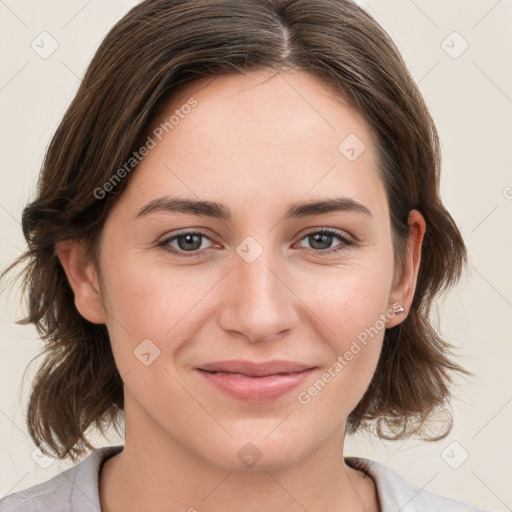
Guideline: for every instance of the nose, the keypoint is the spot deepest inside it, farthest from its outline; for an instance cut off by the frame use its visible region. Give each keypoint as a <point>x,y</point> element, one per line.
<point>259,304</point>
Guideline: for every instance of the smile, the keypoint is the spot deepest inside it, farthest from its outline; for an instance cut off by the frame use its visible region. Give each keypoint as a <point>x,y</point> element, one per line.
<point>254,382</point>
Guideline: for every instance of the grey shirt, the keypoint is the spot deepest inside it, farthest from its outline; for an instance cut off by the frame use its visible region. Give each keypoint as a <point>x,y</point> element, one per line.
<point>76,490</point>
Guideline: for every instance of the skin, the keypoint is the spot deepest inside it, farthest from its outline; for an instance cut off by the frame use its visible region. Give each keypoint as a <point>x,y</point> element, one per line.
<point>255,143</point>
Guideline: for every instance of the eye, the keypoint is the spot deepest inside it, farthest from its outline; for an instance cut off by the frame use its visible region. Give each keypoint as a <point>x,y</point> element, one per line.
<point>321,238</point>
<point>187,242</point>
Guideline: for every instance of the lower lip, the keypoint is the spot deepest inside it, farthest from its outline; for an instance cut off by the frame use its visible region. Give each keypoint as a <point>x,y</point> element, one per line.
<point>256,389</point>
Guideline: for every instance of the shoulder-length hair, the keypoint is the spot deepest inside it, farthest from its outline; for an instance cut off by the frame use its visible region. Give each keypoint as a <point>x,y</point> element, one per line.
<point>157,46</point>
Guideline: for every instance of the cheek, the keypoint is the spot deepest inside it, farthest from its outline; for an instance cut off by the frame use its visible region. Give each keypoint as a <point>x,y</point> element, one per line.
<point>353,299</point>
<point>152,302</point>
<point>353,308</point>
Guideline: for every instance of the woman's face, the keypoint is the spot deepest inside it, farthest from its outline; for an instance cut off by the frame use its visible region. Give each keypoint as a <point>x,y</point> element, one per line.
<point>259,283</point>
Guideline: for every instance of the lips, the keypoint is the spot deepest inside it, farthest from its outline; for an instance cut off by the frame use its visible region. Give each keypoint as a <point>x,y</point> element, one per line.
<point>255,382</point>
<point>252,369</point>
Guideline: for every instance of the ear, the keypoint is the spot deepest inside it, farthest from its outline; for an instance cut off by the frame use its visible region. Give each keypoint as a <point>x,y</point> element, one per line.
<point>403,290</point>
<point>83,280</point>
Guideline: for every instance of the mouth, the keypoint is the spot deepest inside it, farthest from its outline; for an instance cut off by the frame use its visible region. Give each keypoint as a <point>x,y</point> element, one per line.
<point>255,382</point>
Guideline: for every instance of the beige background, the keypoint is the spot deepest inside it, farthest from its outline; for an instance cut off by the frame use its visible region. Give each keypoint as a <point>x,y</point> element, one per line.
<point>470,96</point>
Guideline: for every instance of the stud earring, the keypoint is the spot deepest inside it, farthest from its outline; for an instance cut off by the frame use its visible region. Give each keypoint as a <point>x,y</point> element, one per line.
<point>400,309</point>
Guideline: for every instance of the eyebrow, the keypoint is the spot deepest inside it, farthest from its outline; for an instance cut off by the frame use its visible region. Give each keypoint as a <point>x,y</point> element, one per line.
<point>213,209</point>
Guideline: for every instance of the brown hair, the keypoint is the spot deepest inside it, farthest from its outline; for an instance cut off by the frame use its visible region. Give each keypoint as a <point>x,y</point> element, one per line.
<point>78,385</point>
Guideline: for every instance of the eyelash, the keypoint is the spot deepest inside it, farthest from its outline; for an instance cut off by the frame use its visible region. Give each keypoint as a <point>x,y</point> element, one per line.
<point>346,241</point>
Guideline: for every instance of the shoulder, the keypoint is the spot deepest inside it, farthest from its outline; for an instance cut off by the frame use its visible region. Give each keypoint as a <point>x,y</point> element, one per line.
<point>73,490</point>
<point>397,493</point>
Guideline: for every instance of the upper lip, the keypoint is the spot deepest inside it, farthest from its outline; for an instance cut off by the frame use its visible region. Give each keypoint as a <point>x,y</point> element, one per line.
<point>252,369</point>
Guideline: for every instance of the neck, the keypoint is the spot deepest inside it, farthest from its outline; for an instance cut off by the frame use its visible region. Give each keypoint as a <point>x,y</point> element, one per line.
<point>155,469</point>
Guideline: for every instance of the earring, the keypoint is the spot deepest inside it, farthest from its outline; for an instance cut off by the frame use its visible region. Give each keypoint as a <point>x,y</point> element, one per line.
<point>400,309</point>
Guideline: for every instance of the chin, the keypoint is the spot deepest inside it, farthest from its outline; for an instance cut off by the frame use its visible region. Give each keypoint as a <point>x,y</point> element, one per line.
<point>259,453</point>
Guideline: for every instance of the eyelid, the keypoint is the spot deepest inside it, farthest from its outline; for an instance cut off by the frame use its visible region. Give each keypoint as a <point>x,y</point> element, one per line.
<point>332,231</point>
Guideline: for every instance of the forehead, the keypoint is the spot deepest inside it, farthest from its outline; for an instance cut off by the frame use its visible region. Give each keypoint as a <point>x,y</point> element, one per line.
<point>258,136</point>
